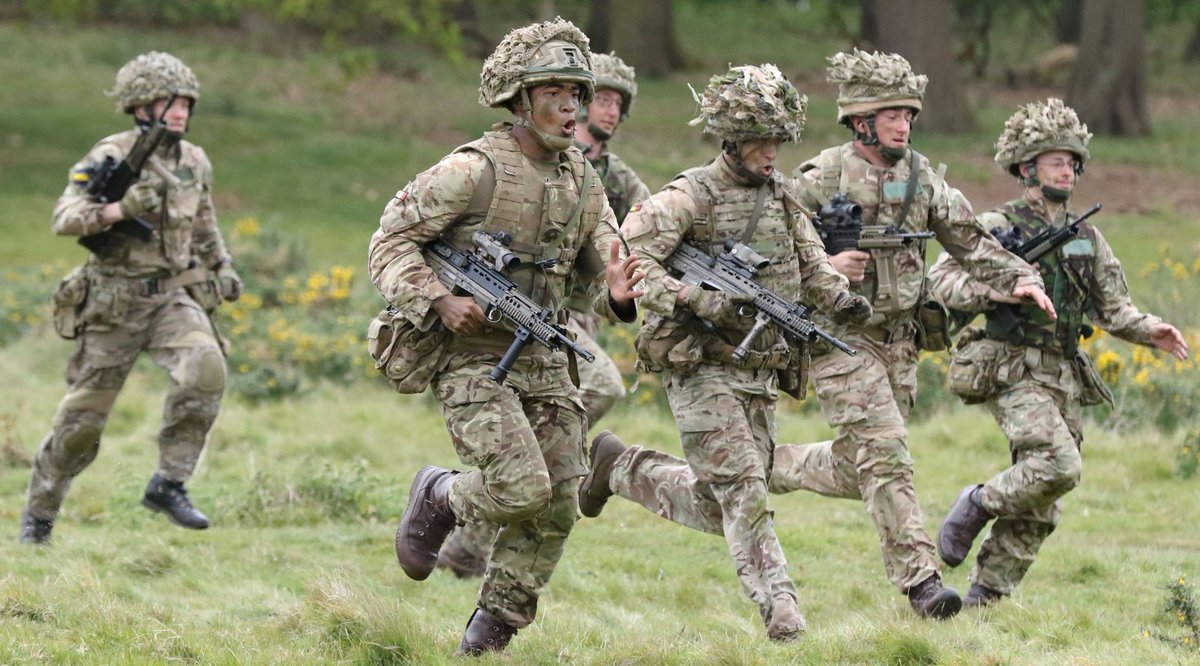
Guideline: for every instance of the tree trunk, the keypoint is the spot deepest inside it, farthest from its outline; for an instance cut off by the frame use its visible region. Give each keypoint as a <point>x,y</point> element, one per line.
<point>920,30</point>
<point>641,33</point>
<point>868,25</point>
<point>1192,52</point>
<point>1107,86</point>
<point>1067,23</point>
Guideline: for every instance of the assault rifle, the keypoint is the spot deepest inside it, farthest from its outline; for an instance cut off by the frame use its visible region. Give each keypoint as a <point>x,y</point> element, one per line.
<point>479,274</point>
<point>840,226</point>
<point>733,272</point>
<point>1044,243</point>
<point>109,180</point>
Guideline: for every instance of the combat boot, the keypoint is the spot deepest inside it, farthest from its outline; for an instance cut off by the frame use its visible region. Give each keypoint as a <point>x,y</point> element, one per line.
<point>930,599</point>
<point>786,623</point>
<point>35,530</point>
<point>426,522</point>
<point>979,596</point>
<point>595,491</point>
<point>462,562</point>
<point>485,633</point>
<point>170,497</point>
<point>963,523</point>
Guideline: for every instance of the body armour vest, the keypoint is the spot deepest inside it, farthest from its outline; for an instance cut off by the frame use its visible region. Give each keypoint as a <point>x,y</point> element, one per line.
<point>1068,276</point>
<point>537,209</point>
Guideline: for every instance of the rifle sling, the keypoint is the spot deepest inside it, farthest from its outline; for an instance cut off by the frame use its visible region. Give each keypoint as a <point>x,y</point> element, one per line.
<point>752,225</point>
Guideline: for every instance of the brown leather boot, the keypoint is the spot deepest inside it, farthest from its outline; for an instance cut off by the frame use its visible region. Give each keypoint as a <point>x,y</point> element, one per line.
<point>459,560</point>
<point>787,623</point>
<point>595,491</point>
<point>965,521</point>
<point>930,599</point>
<point>426,521</point>
<point>485,633</point>
<point>979,596</point>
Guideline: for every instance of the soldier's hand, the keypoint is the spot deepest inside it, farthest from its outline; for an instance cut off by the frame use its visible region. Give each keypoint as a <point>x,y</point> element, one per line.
<point>141,201</point>
<point>1166,337</point>
<point>231,283</point>
<point>1039,297</point>
<point>719,307</point>
<point>461,314</point>
<point>851,309</point>
<point>852,264</point>
<point>622,276</point>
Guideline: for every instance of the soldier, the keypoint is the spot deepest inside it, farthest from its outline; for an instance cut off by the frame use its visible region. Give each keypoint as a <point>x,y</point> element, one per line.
<point>525,436</point>
<point>140,295</point>
<point>868,397</point>
<point>725,409</point>
<point>600,383</point>
<point>1027,369</point>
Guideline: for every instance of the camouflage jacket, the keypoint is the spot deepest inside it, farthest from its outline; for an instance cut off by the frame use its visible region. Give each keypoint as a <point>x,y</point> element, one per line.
<point>184,228</point>
<point>1083,278</point>
<point>936,207</point>
<point>621,185</point>
<point>462,194</point>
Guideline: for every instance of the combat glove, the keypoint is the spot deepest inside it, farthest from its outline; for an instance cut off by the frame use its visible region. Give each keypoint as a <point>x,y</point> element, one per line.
<point>231,283</point>
<point>719,307</point>
<point>142,201</point>
<point>851,309</point>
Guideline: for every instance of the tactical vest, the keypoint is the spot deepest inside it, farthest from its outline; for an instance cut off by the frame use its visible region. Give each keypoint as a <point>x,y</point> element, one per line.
<point>1067,274</point>
<point>882,201</point>
<point>548,250</point>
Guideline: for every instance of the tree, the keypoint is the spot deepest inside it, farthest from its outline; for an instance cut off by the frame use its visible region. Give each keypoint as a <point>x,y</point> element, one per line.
<point>1107,86</point>
<point>920,31</point>
<point>642,33</point>
<point>1068,21</point>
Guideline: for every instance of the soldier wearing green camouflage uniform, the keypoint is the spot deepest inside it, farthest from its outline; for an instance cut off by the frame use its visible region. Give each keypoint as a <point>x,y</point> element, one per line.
<point>725,409</point>
<point>140,296</point>
<point>1027,369</point>
<point>868,396</point>
<point>526,435</point>
<point>600,383</point>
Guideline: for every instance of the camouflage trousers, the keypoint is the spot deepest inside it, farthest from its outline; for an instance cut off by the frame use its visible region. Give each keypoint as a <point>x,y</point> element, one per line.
<point>525,437</point>
<point>600,387</point>
<point>174,331</point>
<point>728,436</point>
<point>1041,417</point>
<point>867,398</point>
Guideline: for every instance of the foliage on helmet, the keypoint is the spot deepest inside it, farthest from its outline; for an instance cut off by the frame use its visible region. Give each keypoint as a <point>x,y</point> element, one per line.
<point>869,82</point>
<point>612,73</point>
<point>550,51</point>
<point>153,76</point>
<point>750,102</point>
<point>1040,127</point>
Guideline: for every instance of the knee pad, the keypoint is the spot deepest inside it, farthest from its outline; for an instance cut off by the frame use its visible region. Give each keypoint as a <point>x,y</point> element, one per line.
<point>206,371</point>
<point>80,445</point>
<point>1067,468</point>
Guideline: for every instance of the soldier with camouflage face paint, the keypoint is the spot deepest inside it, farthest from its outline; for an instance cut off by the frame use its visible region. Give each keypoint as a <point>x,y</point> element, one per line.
<point>140,295</point>
<point>600,383</point>
<point>725,409</point>
<point>525,436</point>
<point>1027,369</point>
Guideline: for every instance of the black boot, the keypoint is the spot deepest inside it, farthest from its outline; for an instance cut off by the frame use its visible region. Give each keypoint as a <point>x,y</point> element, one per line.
<point>426,522</point>
<point>979,596</point>
<point>930,599</point>
<point>35,530</point>
<point>595,491</point>
<point>170,497</point>
<point>459,560</point>
<point>965,521</point>
<point>485,633</point>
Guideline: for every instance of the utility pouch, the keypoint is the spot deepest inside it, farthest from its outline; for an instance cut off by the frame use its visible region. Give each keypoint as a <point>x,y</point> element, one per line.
<point>933,333</point>
<point>1093,390</point>
<point>654,343</point>
<point>69,298</point>
<point>793,378</point>
<point>406,355</point>
<point>981,367</point>
<point>106,304</point>
<point>207,293</point>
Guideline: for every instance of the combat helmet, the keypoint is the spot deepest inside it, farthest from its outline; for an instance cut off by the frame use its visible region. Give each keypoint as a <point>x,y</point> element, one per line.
<point>613,74</point>
<point>1039,127</point>
<point>535,54</point>
<point>749,103</point>
<point>153,76</point>
<point>868,82</point>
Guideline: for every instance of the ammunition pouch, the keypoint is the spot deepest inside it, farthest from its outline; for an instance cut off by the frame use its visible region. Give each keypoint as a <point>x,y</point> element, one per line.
<point>207,292</point>
<point>69,298</point>
<point>407,356</point>
<point>668,344</point>
<point>981,368</point>
<point>107,302</point>
<point>1092,389</point>
<point>933,332</point>
<point>793,377</point>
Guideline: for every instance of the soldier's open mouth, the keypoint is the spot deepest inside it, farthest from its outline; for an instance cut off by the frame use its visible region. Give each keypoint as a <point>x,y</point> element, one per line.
<point>569,128</point>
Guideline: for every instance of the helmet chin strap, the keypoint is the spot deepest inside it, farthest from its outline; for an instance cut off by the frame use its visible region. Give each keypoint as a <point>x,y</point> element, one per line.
<point>892,154</point>
<point>734,158</point>
<point>544,140</point>
<point>1052,194</point>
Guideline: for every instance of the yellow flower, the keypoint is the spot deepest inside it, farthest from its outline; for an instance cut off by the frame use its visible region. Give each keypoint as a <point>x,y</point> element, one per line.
<point>244,368</point>
<point>1109,364</point>
<point>1180,272</point>
<point>247,227</point>
<point>317,281</point>
<point>1142,378</point>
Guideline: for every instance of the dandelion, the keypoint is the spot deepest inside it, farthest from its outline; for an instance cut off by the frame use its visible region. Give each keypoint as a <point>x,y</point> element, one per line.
<point>246,227</point>
<point>1142,378</point>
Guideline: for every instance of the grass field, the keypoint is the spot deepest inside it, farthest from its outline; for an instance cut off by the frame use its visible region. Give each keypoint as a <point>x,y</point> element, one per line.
<point>304,492</point>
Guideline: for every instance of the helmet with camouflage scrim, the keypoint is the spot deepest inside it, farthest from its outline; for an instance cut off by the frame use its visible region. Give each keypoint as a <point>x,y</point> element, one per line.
<point>613,74</point>
<point>751,103</point>
<point>1039,127</point>
<point>868,82</point>
<point>153,76</point>
<point>536,54</point>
